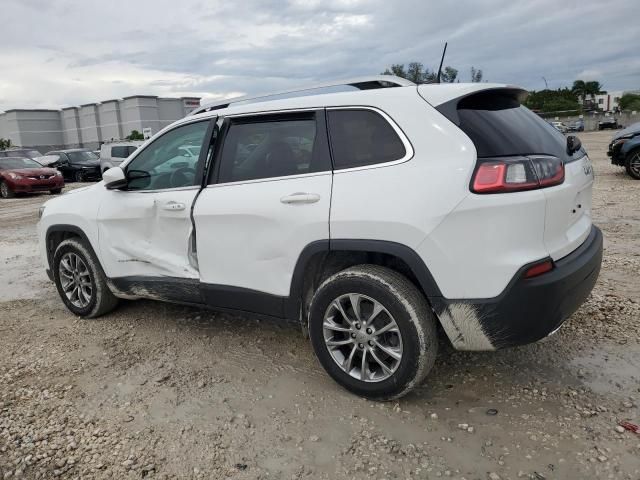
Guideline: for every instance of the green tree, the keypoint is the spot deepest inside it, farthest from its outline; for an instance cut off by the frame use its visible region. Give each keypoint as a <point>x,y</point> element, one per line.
<point>417,73</point>
<point>5,143</point>
<point>587,90</point>
<point>476,75</point>
<point>449,75</point>
<point>629,101</point>
<point>135,135</point>
<point>562,99</point>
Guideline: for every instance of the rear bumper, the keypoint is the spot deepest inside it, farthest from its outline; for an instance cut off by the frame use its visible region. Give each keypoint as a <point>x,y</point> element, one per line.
<point>528,309</point>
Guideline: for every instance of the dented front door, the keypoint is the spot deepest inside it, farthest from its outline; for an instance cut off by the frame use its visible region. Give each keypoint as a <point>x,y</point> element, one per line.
<point>146,234</point>
<point>145,229</point>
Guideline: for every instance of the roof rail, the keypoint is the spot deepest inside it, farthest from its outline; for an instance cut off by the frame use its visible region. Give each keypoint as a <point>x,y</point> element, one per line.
<point>361,83</point>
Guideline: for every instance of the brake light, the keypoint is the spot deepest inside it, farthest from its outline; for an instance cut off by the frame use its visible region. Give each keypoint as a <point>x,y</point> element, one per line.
<point>515,174</point>
<point>538,269</point>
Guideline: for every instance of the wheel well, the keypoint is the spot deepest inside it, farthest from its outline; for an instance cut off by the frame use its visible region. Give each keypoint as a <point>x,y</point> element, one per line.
<point>324,264</point>
<point>55,238</point>
<point>632,151</point>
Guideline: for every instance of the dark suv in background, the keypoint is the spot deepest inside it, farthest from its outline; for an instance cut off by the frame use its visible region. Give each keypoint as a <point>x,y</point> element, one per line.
<point>624,150</point>
<point>77,164</point>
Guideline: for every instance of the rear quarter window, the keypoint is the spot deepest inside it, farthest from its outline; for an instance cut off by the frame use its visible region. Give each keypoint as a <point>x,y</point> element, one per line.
<point>362,137</point>
<point>499,126</point>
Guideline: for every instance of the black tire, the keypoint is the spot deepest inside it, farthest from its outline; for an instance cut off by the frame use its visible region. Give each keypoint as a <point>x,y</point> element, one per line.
<point>55,191</point>
<point>78,177</point>
<point>102,300</point>
<point>5,191</point>
<point>408,307</point>
<point>633,172</point>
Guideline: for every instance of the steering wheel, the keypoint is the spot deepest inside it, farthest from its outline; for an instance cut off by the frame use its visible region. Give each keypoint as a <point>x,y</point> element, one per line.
<point>182,177</point>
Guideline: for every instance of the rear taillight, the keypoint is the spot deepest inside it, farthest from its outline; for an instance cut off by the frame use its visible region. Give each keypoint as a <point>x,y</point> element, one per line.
<point>515,174</point>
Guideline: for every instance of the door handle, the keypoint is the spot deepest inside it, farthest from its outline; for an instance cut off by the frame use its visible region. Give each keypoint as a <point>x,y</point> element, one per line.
<point>300,197</point>
<point>174,206</point>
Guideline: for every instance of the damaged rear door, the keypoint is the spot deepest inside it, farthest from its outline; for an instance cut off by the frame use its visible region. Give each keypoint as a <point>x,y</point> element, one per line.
<point>145,229</point>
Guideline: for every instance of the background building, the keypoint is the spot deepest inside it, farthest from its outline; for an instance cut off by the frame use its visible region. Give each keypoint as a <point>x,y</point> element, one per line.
<point>88,125</point>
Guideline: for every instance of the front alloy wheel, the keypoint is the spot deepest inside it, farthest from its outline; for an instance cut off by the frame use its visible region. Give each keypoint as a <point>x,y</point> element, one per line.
<point>75,280</point>
<point>80,280</point>
<point>633,165</point>
<point>5,191</point>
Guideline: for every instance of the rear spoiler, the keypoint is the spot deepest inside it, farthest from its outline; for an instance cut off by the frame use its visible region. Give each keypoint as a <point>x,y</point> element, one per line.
<point>485,97</point>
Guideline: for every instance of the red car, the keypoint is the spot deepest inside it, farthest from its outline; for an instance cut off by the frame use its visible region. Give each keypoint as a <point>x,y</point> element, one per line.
<point>18,175</point>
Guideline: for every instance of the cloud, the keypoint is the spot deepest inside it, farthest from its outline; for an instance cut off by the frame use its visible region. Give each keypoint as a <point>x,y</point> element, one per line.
<point>71,52</point>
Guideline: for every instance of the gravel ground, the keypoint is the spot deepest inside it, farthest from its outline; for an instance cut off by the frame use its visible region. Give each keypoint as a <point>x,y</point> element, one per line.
<point>161,391</point>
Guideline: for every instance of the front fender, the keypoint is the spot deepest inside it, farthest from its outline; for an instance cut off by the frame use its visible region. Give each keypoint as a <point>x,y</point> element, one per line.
<point>630,145</point>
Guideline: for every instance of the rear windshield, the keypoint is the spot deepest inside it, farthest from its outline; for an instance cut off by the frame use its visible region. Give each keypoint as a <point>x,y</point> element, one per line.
<point>499,126</point>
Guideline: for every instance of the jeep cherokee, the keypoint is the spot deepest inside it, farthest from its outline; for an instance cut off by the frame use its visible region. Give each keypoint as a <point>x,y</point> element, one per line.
<point>374,214</point>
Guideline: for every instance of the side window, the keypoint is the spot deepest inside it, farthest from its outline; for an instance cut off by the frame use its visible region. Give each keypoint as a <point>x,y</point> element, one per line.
<point>164,163</point>
<point>273,146</point>
<point>131,149</point>
<point>119,152</point>
<point>362,137</point>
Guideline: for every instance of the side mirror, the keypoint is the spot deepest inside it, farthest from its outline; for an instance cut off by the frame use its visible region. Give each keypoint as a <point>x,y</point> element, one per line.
<point>573,144</point>
<point>114,178</point>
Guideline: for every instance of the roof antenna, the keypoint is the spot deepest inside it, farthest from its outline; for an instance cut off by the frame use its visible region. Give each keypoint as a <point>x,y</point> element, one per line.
<point>441,61</point>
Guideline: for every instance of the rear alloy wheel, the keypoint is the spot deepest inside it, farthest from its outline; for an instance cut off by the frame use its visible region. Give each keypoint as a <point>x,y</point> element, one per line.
<point>373,331</point>
<point>366,346</point>
<point>80,281</point>
<point>632,164</point>
<point>5,191</point>
<point>78,176</point>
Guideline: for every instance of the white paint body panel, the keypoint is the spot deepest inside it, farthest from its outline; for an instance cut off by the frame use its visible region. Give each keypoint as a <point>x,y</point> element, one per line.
<point>568,216</point>
<point>248,238</point>
<point>142,234</point>
<point>77,207</point>
<point>403,203</point>
<point>477,249</point>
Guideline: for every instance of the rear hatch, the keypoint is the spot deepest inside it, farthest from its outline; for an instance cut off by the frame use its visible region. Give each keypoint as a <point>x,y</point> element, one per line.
<point>500,127</point>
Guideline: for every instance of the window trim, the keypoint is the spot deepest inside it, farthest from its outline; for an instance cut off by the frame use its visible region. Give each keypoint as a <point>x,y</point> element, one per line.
<point>321,128</point>
<point>211,120</point>
<point>408,147</point>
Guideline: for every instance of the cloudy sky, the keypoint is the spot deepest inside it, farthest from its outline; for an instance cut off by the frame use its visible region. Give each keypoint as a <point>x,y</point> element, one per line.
<point>56,53</point>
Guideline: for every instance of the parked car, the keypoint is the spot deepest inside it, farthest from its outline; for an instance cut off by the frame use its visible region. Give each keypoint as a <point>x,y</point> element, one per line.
<point>112,154</point>
<point>21,152</point>
<point>576,126</point>
<point>561,127</point>
<point>24,175</point>
<point>47,160</point>
<point>351,213</point>
<point>624,150</point>
<point>77,164</point>
<point>607,122</point>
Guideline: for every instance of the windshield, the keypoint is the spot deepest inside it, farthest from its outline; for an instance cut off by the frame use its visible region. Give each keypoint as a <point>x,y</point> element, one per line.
<point>14,163</point>
<point>82,157</point>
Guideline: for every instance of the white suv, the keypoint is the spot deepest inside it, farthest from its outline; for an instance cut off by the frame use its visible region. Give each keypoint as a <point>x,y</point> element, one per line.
<point>372,216</point>
<point>112,154</point>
